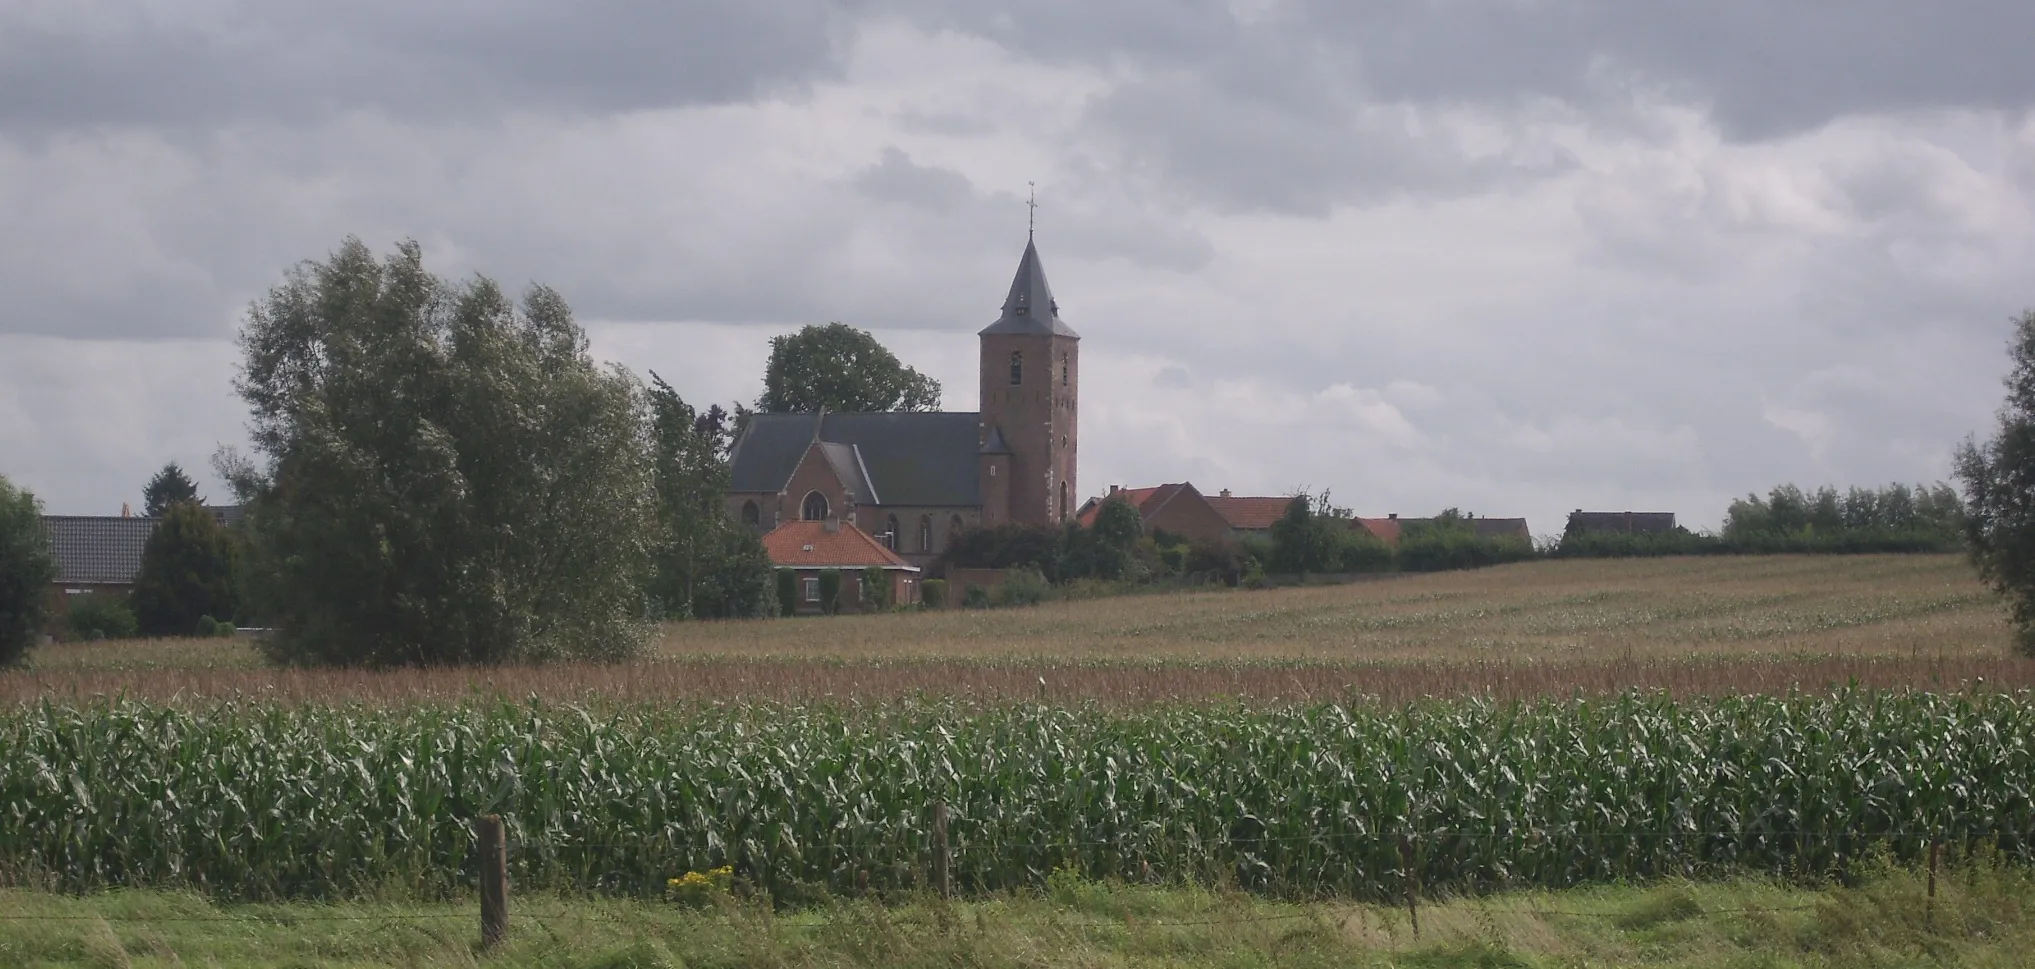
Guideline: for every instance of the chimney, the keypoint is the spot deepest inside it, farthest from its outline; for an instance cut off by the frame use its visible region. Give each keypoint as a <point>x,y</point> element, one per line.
<point>1224,493</point>
<point>1393,516</point>
<point>1113,489</point>
<point>126,512</point>
<point>831,525</point>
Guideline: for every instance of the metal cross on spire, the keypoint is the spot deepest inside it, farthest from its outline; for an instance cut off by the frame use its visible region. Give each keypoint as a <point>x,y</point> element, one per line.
<point>1031,211</point>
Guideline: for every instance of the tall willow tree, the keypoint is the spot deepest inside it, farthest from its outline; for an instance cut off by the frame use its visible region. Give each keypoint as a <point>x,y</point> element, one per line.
<point>443,477</point>
<point>1999,489</point>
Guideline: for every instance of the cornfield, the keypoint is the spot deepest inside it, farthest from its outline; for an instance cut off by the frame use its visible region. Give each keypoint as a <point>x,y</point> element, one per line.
<point>270,800</point>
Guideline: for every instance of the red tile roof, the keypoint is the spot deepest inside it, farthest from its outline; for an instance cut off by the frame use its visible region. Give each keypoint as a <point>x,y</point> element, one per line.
<point>1387,529</point>
<point>1250,514</point>
<point>809,545</point>
<point>1138,497</point>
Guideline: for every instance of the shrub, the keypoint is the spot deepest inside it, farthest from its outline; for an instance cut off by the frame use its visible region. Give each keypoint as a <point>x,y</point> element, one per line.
<point>1006,546</point>
<point>787,592</point>
<point>830,591</point>
<point>1023,587</point>
<point>875,588</point>
<point>101,616</point>
<point>975,598</point>
<point>933,592</point>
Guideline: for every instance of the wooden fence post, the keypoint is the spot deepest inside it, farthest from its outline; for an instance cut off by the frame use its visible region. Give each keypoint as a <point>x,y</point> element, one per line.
<point>1412,883</point>
<point>494,879</point>
<point>1935,849</point>
<point>941,856</point>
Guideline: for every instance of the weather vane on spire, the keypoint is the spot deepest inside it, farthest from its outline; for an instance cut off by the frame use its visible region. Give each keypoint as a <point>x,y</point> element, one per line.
<point>1031,211</point>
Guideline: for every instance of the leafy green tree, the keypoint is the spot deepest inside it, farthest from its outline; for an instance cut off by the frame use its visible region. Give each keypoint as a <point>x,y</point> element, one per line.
<point>170,486</point>
<point>1999,489</point>
<point>704,564</point>
<point>187,572</point>
<point>447,477</point>
<point>841,368</point>
<point>1105,551</point>
<point>1313,535</point>
<point>26,570</point>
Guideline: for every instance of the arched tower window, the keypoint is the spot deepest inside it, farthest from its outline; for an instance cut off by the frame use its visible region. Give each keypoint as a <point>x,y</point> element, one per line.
<point>1063,370</point>
<point>890,532</point>
<point>1063,499</point>
<point>752,516</point>
<point>1017,367</point>
<point>925,533</point>
<point>815,507</point>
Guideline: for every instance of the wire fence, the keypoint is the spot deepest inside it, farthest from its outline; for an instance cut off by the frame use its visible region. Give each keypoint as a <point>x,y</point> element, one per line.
<point>1408,887</point>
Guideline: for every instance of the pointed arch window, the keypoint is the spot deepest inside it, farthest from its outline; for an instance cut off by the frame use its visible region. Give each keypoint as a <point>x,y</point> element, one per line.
<point>925,533</point>
<point>752,516</point>
<point>814,509</point>
<point>1017,367</point>
<point>1063,499</point>
<point>954,527</point>
<point>1063,370</point>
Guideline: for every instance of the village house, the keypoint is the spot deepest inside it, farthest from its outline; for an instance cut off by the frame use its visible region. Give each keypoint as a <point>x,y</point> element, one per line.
<point>914,480</point>
<point>810,548</point>
<point>101,554</point>
<point>1181,509</point>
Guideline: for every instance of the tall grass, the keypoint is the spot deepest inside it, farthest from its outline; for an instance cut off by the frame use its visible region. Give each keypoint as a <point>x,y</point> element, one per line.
<point>265,800</point>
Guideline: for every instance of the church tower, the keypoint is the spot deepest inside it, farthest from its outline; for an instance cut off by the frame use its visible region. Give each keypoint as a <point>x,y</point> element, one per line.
<point>1031,379</point>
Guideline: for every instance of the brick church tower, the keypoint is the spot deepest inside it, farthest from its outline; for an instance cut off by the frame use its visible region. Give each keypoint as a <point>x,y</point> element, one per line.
<point>1031,379</point>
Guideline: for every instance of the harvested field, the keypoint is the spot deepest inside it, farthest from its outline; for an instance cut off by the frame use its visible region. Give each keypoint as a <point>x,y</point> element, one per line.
<point>1691,626</point>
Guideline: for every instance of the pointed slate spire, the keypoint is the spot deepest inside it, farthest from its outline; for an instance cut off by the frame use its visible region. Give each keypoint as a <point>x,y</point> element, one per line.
<point>1030,307</point>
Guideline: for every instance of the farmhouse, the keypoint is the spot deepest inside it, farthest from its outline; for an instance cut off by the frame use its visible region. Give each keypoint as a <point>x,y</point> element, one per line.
<point>810,548</point>
<point>913,480</point>
<point>101,554</point>
<point>1181,509</point>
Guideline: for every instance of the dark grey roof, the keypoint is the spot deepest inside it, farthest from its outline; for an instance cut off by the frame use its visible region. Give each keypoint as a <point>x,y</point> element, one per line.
<point>92,549</point>
<point>1030,307</point>
<point>846,460</point>
<point>1644,522</point>
<point>994,443</point>
<point>904,459</point>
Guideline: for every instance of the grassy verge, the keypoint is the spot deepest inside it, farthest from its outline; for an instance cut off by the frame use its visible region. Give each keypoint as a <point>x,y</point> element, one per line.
<point>1979,918</point>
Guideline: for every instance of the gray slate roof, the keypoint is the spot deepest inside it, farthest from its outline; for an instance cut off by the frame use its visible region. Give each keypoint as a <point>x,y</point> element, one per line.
<point>97,550</point>
<point>902,459</point>
<point>1030,307</point>
<point>1642,522</point>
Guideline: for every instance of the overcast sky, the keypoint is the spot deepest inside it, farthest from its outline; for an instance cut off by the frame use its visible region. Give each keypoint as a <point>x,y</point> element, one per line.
<point>1518,256</point>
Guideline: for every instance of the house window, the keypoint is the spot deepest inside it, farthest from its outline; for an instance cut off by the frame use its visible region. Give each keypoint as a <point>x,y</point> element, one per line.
<point>1017,368</point>
<point>752,516</point>
<point>812,589</point>
<point>815,508</point>
<point>925,533</point>
<point>890,533</point>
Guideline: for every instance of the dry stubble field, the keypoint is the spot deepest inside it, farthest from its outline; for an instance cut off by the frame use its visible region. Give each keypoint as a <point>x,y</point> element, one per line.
<point>1700,625</point>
